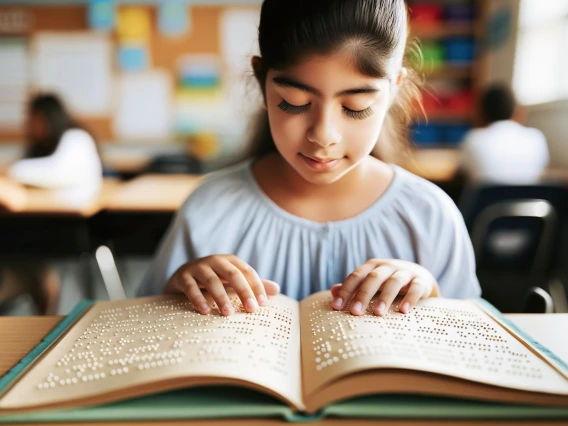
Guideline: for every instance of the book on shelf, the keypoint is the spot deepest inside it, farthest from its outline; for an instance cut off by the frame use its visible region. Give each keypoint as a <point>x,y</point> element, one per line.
<point>158,358</point>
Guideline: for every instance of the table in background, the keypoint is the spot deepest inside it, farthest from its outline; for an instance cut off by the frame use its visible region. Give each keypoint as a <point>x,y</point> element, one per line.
<point>18,335</point>
<point>138,214</point>
<point>48,228</point>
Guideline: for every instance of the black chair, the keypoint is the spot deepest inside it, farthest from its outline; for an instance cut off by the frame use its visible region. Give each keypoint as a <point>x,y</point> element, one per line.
<point>174,164</point>
<point>518,234</point>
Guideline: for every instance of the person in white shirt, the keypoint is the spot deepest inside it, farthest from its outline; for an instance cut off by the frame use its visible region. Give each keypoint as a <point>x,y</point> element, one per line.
<point>60,156</point>
<point>504,151</point>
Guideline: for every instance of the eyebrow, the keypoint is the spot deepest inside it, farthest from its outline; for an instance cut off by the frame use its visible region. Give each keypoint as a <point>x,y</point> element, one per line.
<point>284,81</point>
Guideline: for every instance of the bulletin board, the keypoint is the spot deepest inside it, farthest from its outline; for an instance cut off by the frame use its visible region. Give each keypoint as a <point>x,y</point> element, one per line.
<point>203,37</point>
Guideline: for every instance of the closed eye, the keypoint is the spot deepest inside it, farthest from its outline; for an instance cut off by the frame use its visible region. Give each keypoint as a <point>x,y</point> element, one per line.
<point>358,115</point>
<point>293,109</point>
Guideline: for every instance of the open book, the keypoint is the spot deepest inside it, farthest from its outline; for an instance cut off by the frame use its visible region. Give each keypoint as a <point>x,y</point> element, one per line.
<point>304,356</point>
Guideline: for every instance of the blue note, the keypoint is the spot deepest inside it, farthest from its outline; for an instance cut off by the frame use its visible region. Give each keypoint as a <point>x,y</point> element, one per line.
<point>173,17</point>
<point>101,14</point>
<point>133,57</point>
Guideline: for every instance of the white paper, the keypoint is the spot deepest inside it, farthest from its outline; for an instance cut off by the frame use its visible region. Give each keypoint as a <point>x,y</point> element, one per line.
<point>144,107</point>
<point>14,78</point>
<point>239,43</point>
<point>239,37</point>
<point>76,66</point>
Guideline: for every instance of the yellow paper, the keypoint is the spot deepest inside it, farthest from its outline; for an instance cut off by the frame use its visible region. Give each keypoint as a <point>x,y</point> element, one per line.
<point>134,24</point>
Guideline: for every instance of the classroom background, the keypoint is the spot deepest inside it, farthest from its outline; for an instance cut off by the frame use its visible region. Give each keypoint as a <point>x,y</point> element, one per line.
<point>166,90</point>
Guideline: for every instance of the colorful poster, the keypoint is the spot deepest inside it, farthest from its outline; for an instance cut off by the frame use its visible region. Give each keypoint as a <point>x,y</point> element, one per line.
<point>134,24</point>
<point>174,17</point>
<point>101,14</point>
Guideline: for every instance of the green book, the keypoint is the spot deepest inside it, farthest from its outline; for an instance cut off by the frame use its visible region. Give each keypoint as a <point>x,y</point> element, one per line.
<point>156,358</point>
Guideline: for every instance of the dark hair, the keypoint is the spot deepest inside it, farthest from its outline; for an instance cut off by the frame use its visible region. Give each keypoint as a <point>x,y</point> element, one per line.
<point>57,120</point>
<point>373,30</point>
<point>497,103</point>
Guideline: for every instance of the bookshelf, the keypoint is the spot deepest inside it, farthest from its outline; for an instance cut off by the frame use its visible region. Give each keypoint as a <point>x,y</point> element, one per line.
<point>449,32</point>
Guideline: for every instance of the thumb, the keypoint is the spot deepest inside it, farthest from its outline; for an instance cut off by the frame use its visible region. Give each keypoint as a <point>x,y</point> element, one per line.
<point>271,287</point>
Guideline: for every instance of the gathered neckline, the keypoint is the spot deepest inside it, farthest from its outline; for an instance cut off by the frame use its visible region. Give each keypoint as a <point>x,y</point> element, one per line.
<point>370,212</point>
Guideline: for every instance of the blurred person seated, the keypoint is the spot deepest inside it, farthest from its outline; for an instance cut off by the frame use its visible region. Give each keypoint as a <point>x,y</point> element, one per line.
<point>59,155</point>
<point>503,151</point>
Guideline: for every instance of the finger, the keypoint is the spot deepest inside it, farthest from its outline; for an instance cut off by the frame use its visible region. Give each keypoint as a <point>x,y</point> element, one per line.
<point>390,290</point>
<point>206,277</point>
<point>252,278</point>
<point>270,287</point>
<point>187,285</point>
<point>416,291</point>
<point>237,281</point>
<point>350,285</point>
<point>368,288</point>
<point>335,290</point>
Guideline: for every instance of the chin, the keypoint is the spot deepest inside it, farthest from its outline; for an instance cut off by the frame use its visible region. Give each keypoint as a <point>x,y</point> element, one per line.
<point>321,178</point>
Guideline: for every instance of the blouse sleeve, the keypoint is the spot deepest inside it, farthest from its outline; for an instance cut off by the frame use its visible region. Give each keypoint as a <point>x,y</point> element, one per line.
<point>174,250</point>
<point>451,258</point>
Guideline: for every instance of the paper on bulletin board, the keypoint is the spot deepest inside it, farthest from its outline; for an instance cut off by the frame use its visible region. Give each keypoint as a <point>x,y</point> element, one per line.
<point>239,42</point>
<point>101,14</point>
<point>133,57</point>
<point>144,107</point>
<point>174,17</point>
<point>239,37</point>
<point>14,79</point>
<point>77,67</point>
<point>134,24</point>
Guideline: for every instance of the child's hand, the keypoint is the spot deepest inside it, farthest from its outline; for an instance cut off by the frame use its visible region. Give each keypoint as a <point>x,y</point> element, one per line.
<point>213,273</point>
<point>391,277</point>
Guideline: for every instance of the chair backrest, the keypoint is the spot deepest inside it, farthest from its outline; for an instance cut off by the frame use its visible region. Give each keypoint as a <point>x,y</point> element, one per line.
<point>475,199</point>
<point>518,235</point>
<point>513,242</point>
<point>174,164</point>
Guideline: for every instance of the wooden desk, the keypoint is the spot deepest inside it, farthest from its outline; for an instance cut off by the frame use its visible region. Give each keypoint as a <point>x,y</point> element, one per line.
<point>40,201</point>
<point>18,335</point>
<point>437,165</point>
<point>153,193</point>
<point>440,165</point>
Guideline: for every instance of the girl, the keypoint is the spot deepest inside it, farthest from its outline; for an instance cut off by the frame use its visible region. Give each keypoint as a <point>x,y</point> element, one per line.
<point>314,207</point>
<point>59,155</point>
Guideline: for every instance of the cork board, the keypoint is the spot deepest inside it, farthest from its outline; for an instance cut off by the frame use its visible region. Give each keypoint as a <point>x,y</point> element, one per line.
<point>203,37</point>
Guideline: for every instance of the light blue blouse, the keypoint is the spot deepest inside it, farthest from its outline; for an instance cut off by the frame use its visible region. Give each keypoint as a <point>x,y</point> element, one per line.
<point>229,213</point>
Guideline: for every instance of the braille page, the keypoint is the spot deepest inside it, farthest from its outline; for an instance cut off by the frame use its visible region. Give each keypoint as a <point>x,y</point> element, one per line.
<point>139,346</point>
<point>450,337</point>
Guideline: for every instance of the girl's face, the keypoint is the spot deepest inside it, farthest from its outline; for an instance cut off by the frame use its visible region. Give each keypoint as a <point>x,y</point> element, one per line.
<point>325,117</point>
<point>37,126</point>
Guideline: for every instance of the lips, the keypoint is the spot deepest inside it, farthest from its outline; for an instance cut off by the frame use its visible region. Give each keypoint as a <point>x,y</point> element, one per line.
<point>321,160</point>
<point>320,164</point>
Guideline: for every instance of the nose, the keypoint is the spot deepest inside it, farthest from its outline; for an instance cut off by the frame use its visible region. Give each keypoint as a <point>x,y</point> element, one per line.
<point>324,130</point>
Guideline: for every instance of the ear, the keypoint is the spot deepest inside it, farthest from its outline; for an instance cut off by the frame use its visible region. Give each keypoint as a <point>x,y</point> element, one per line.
<point>256,63</point>
<point>401,76</point>
<point>260,74</point>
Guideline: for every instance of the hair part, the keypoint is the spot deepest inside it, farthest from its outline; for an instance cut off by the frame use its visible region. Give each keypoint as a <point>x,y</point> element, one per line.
<point>374,32</point>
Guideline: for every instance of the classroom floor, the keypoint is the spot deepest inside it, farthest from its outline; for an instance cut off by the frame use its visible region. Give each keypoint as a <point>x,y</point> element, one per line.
<point>72,291</point>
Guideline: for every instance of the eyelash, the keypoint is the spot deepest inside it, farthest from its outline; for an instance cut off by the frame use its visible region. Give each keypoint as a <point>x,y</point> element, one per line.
<point>293,109</point>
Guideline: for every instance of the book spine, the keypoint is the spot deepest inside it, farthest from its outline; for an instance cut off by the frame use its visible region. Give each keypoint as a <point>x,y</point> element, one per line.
<point>58,330</point>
